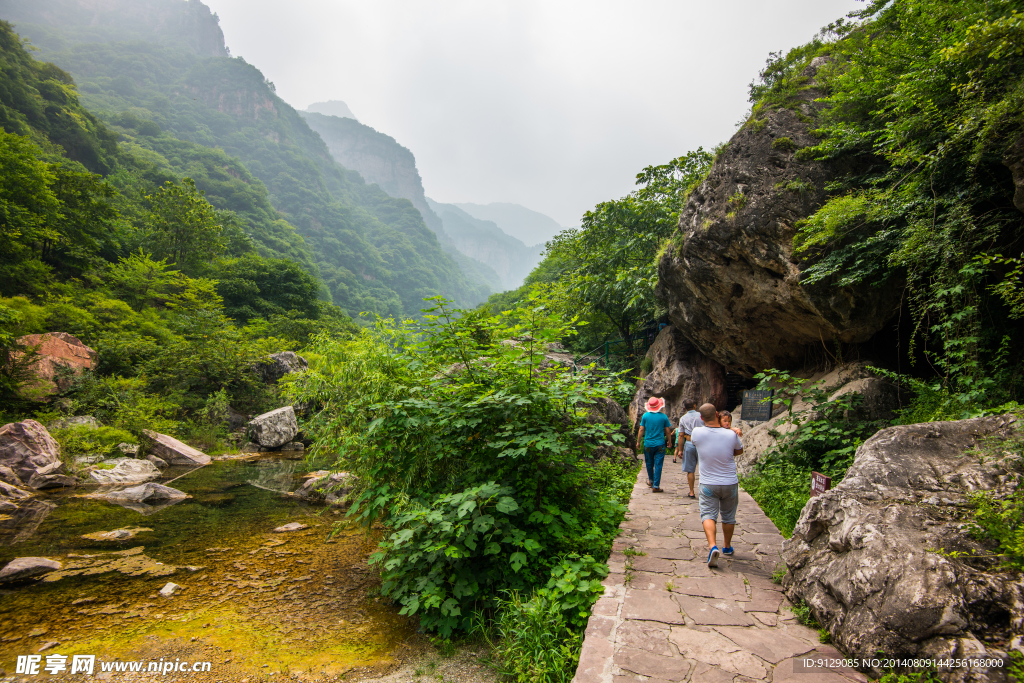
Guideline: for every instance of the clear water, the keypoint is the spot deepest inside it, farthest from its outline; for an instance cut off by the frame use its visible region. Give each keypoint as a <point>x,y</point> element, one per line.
<point>297,601</point>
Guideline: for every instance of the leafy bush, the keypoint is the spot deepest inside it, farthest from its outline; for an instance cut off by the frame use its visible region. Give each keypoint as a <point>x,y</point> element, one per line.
<point>78,441</point>
<point>472,449</point>
<point>533,642</point>
<point>825,438</point>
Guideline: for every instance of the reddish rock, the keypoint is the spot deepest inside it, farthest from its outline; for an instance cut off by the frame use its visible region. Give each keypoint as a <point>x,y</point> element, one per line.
<point>28,449</point>
<point>57,352</point>
<point>172,451</point>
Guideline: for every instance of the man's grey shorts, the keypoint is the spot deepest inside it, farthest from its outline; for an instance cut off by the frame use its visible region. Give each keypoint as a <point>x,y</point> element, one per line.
<point>716,498</point>
<point>689,457</point>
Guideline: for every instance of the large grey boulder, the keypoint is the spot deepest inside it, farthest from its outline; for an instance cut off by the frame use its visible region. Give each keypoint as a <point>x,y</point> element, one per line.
<point>274,429</point>
<point>28,449</point>
<point>277,365</point>
<point>172,451</point>
<point>126,471</point>
<point>144,493</point>
<point>27,568</point>
<point>866,557</point>
<point>729,276</point>
<point>678,371</point>
<point>145,499</point>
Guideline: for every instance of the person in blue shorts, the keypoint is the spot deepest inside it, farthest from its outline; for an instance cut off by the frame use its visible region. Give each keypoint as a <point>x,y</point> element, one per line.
<point>655,431</point>
<point>719,486</point>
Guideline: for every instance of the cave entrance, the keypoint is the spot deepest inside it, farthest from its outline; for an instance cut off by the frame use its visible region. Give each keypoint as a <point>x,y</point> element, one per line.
<point>735,385</point>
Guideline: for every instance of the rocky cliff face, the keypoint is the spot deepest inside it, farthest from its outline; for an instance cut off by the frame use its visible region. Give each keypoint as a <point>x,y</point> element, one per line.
<point>730,279</point>
<point>186,23</point>
<point>678,372</point>
<point>377,157</point>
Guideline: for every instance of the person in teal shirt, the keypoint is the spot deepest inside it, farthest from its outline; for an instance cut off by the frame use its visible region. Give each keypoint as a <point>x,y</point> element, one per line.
<point>655,429</point>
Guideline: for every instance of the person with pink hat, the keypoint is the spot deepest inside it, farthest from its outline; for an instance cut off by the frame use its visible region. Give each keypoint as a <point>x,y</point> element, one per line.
<point>655,430</point>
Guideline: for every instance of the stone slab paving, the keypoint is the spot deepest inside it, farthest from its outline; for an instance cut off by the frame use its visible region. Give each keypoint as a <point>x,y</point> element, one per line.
<point>666,617</point>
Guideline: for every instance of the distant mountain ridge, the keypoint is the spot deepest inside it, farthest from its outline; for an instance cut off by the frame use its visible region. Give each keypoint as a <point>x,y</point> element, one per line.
<point>527,225</point>
<point>332,108</point>
<point>185,24</point>
<point>173,79</point>
<point>487,249</point>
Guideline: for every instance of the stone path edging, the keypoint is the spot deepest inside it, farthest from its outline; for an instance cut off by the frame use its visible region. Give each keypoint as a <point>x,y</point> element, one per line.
<point>666,617</point>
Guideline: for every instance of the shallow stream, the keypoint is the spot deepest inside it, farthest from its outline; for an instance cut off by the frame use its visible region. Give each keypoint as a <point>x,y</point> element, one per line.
<point>254,601</point>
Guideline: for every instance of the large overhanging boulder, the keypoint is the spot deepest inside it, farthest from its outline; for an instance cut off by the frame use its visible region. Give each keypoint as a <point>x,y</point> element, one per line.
<point>880,559</point>
<point>678,372</point>
<point>277,365</point>
<point>730,278</point>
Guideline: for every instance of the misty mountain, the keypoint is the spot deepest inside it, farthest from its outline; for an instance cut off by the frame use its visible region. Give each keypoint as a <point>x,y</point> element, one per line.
<point>487,252</point>
<point>331,108</point>
<point>172,90</point>
<point>58,24</point>
<point>531,227</point>
<point>485,241</point>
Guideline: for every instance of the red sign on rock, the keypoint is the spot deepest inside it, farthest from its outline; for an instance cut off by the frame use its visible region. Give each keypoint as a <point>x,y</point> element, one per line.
<point>820,483</point>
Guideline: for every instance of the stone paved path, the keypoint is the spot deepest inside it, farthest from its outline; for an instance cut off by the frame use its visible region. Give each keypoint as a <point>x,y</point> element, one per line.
<point>665,616</point>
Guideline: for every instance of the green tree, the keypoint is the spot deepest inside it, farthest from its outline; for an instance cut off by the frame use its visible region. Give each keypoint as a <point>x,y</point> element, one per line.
<point>610,262</point>
<point>184,228</point>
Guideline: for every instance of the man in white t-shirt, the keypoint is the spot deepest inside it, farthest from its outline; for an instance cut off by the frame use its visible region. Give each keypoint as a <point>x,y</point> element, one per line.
<point>719,485</point>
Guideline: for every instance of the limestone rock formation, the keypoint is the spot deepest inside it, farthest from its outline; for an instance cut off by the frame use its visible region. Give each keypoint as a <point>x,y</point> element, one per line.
<point>274,429</point>
<point>59,357</point>
<point>277,365</point>
<point>172,451</point>
<point>27,568</point>
<point>679,371</point>
<point>28,449</point>
<point>145,499</point>
<point>730,278</point>
<point>126,471</point>
<point>864,556</point>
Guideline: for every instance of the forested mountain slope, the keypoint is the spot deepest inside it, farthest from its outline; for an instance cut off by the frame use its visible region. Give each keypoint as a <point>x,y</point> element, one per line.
<point>480,247</point>
<point>374,252</point>
<point>528,226</point>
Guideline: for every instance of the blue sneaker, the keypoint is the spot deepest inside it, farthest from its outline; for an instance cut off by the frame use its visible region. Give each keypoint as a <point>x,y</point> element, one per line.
<point>713,557</point>
<point>727,551</point>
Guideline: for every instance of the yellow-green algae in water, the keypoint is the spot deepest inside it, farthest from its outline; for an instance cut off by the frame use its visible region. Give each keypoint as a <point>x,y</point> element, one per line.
<point>251,597</point>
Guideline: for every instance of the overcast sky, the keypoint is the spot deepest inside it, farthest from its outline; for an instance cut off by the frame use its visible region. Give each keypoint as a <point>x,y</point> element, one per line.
<point>552,104</point>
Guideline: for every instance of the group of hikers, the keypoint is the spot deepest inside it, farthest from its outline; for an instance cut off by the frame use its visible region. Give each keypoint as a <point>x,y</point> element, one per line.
<point>704,437</point>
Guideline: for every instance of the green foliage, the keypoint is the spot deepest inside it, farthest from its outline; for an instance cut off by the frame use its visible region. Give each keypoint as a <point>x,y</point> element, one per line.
<point>610,266</point>
<point>372,251</point>
<point>78,441</point>
<point>784,144</point>
<point>928,99</point>
<point>824,438</point>
<point>532,642</point>
<point>185,229</point>
<point>1001,520</point>
<point>472,451</point>
<point>910,677</point>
